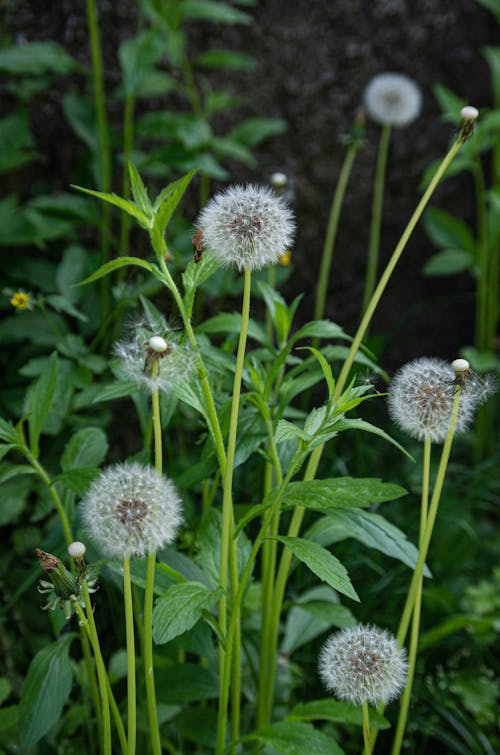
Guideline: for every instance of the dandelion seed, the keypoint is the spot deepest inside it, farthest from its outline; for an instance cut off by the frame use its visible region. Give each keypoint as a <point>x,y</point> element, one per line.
<point>131,510</point>
<point>247,226</point>
<point>393,99</point>
<point>420,399</point>
<point>363,664</point>
<point>145,347</point>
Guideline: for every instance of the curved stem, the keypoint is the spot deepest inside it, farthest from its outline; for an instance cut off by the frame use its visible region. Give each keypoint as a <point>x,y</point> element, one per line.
<point>415,626</point>
<point>227,534</point>
<point>376,220</point>
<point>55,497</point>
<point>331,231</point>
<point>131,686</point>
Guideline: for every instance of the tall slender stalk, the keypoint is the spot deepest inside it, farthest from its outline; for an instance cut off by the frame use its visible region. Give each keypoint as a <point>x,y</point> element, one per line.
<point>376,219</point>
<point>131,683</point>
<point>331,231</point>
<point>366,729</point>
<point>227,512</point>
<point>103,136</point>
<point>128,143</point>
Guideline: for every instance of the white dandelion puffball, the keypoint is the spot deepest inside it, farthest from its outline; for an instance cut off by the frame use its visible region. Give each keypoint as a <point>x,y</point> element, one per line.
<point>151,344</point>
<point>420,399</point>
<point>393,99</point>
<point>363,664</point>
<point>131,510</point>
<point>247,226</point>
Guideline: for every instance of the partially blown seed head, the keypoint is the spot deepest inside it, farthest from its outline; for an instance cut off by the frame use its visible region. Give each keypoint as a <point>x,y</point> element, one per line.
<point>247,226</point>
<point>393,99</point>
<point>131,510</point>
<point>420,398</point>
<point>362,664</point>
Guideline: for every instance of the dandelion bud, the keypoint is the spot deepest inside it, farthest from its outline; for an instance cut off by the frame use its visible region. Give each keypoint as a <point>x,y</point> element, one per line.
<point>363,664</point>
<point>279,180</point>
<point>131,510</point>
<point>469,113</point>
<point>158,344</point>
<point>65,584</point>
<point>77,550</point>
<point>393,99</point>
<point>460,366</point>
<point>247,226</point>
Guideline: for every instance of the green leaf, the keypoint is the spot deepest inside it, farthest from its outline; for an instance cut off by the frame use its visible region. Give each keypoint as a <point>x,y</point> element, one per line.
<point>325,368</point>
<point>231,323</point>
<point>198,725</point>
<point>321,562</point>
<point>36,58</point>
<point>194,275</point>
<point>493,6</point>
<point>137,57</point>
<point>341,492</point>
<point>297,738</point>
<point>254,131</point>
<point>180,608</point>
<point>372,530</point>
<point>139,191</point>
<point>230,59</point>
<point>448,232</point>
<point>45,691</point>
<point>39,402</point>
<point>183,683</point>
<point>86,448</point>
<point>9,718</point>
<point>124,204</point>
<point>209,10</point>
<point>16,141</point>
<point>9,471</point>
<point>315,612</point>
<point>81,117</point>
<point>110,267</point>
<point>78,479</point>
<point>7,432</point>
<point>360,424</point>
<point>5,689</point>
<point>449,262</point>
<point>337,712</point>
<point>449,102</point>
<point>164,207</point>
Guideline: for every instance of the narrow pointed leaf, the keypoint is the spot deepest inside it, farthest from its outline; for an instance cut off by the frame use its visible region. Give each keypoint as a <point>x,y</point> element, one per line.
<point>180,608</point>
<point>39,402</point>
<point>124,204</point>
<point>110,267</point>
<point>297,738</point>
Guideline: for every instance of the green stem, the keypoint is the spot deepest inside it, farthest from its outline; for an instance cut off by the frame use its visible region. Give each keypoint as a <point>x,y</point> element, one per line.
<point>482,282</point>
<point>91,676</point>
<point>415,626</point>
<point>331,231</point>
<point>128,143</point>
<point>227,533</point>
<point>103,135</point>
<point>131,686</point>
<point>50,486</point>
<point>100,668</point>
<point>376,221</point>
<point>366,729</point>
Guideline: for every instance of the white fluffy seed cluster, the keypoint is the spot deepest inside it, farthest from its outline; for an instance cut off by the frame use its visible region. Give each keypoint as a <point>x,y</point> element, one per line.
<point>362,664</point>
<point>145,345</point>
<point>247,227</point>
<point>420,398</point>
<point>393,99</point>
<point>131,510</point>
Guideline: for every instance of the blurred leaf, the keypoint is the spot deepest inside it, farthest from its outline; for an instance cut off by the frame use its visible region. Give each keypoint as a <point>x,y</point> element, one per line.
<point>139,191</point>
<point>77,480</point>
<point>491,5</point>
<point>71,270</point>
<point>198,726</point>
<point>315,612</point>
<point>448,232</point>
<point>81,118</point>
<point>336,711</point>
<point>194,275</point>
<point>137,57</point>
<point>185,683</point>
<point>14,496</point>
<point>45,691</point>
<point>449,262</point>
<point>449,102</point>
<point>343,492</point>
<point>164,206</point>
<point>370,529</point>
<point>9,718</point>
<point>209,10</point>
<point>86,448</point>
<point>16,141</point>
<point>180,609</point>
<point>226,147</point>
<point>229,59</point>
<point>36,58</point>
<point>254,131</point>
<point>321,562</point>
<point>39,400</point>
<point>492,55</point>
<point>5,689</point>
<point>297,738</point>
<point>226,323</point>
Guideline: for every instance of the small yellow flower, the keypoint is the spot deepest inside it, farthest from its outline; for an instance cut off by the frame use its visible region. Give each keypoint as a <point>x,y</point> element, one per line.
<point>20,300</point>
<point>285,258</point>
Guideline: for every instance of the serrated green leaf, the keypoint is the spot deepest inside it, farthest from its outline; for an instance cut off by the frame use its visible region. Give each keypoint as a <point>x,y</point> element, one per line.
<point>336,711</point>
<point>194,275</point>
<point>110,267</point>
<point>321,562</point>
<point>39,401</point>
<point>254,131</point>
<point>449,262</point>
<point>341,492</point>
<point>8,471</point>
<point>45,691</point>
<point>286,430</point>
<point>77,480</point>
<point>297,738</point>
<point>230,322</point>
<point>86,448</point>
<point>36,58</point>
<point>372,530</point>
<point>164,207</point>
<point>361,424</point>
<point>7,431</point>
<point>124,204</point>
<point>139,191</point>
<point>180,608</point>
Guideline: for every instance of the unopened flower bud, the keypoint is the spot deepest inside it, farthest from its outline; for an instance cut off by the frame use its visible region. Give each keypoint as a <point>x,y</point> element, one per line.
<point>158,344</point>
<point>279,180</point>
<point>65,583</point>
<point>460,366</point>
<point>77,550</point>
<point>469,113</point>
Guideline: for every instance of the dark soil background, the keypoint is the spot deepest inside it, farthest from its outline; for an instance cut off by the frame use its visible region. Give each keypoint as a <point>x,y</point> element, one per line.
<point>315,58</point>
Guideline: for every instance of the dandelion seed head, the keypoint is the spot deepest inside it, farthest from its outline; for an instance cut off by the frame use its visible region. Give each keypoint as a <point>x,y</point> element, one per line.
<point>247,226</point>
<point>131,510</point>
<point>393,99</point>
<point>420,399</point>
<point>363,663</point>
